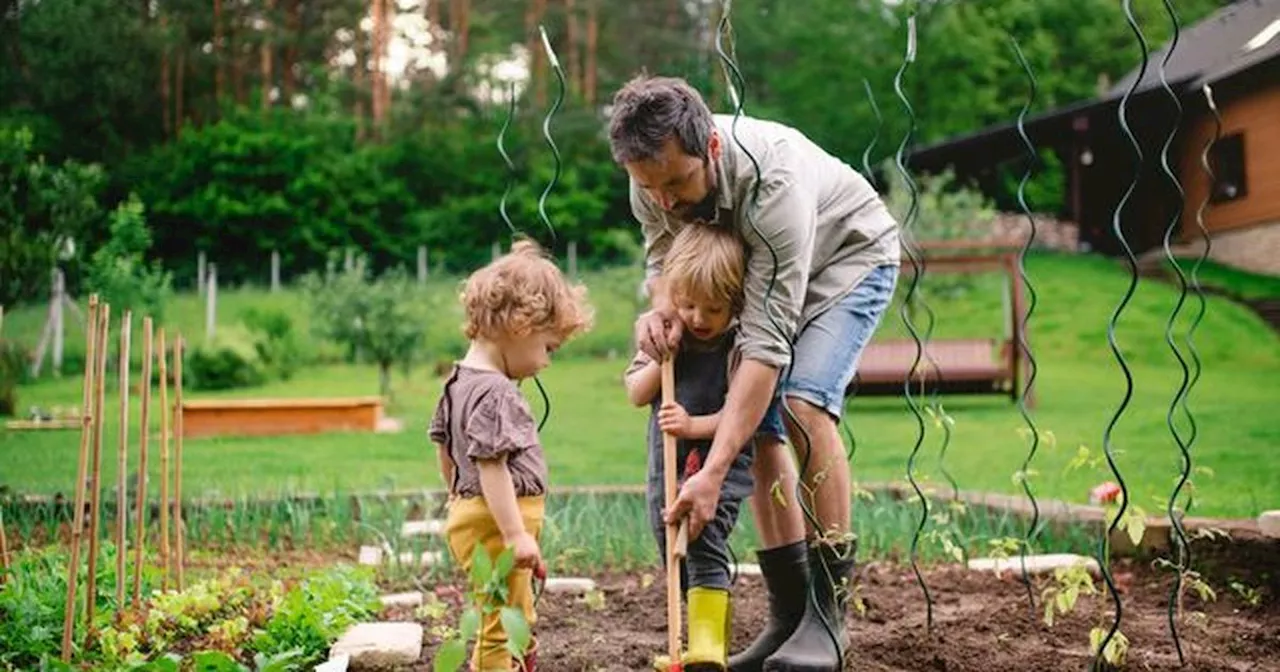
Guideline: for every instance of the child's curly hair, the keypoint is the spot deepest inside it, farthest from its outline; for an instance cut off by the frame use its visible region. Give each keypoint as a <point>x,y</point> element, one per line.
<point>522,292</point>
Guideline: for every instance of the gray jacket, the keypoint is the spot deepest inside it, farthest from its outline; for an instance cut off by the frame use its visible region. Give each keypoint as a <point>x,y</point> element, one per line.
<point>823,220</point>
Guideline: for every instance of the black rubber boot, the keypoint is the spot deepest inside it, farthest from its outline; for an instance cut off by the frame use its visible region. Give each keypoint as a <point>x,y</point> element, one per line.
<point>811,647</point>
<point>786,575</point>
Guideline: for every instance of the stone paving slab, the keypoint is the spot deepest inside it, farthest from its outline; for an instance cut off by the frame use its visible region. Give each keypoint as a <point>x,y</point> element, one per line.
<point>379,646</point>
<point>1036,564</point>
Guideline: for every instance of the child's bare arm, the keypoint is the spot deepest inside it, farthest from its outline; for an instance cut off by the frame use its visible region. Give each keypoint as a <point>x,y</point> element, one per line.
<point>643,383</point>
<point>446,465</point>
<point>675,419</point>
<point>500,494</point>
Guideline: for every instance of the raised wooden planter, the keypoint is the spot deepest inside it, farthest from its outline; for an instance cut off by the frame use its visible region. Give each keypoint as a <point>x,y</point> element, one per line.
<point>264,417</point>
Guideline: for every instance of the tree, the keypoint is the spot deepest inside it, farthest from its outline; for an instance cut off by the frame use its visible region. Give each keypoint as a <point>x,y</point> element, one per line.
<point>384,318</point>
<point>118,271</point>
<point>45,211</point>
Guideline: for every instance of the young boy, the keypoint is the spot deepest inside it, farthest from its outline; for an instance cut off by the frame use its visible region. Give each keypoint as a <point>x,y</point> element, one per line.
<point>702,278</point>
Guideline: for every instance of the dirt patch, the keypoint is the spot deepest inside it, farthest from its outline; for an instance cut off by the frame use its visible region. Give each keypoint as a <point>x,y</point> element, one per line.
<point>981,621</point>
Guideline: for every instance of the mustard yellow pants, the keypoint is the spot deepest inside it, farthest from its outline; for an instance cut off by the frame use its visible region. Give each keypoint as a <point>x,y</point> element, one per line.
<point>469,524</point>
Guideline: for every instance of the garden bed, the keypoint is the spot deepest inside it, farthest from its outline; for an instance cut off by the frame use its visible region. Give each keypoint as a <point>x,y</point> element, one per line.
<point>264,417</point>
<point>981,621</point>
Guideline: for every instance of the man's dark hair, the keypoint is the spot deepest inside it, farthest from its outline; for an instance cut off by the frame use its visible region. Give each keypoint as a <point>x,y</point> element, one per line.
<point>648,110</point>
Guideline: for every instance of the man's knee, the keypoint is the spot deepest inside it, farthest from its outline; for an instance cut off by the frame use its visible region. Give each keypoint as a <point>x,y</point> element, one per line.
<point>805,418</point>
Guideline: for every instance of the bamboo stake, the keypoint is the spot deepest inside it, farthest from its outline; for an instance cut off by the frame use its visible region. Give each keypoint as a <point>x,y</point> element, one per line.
<point>95,481</point>
<point>4,549</point>
<point>122,470</point>
<point>86,431</point>
<point>162,354</point>
<point>669,481</point>
<point>179,528</point>
<point>139,533</point>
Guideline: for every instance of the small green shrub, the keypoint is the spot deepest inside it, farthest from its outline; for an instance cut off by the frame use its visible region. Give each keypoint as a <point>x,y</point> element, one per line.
<point>231,361</point>
<point>14,359</point>
<point>276,341</point>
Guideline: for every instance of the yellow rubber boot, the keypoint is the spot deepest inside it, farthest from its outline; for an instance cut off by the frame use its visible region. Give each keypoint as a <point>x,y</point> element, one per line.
<point>708,630</point>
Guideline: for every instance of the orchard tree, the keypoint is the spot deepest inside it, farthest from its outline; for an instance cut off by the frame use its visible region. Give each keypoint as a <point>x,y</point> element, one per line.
<point>383,317</point>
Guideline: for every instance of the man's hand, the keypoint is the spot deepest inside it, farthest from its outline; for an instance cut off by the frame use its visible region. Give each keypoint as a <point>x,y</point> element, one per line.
<point>658,333</point>
<point>673,419</point>
<point>527,554</point>
<point>697,499</point>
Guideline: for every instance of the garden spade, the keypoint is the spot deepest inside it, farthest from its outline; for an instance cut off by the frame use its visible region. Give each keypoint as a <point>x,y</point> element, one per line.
<point>677,536</point>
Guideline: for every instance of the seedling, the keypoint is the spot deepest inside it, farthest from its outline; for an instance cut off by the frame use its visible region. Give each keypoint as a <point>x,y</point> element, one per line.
<point>1116,651</point>
<point>1069,584</point>
<point>1250,595</point>
<point>488,591</point>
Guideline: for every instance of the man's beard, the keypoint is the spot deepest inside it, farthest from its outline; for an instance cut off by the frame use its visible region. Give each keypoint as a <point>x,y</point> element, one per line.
<point>705,210</point>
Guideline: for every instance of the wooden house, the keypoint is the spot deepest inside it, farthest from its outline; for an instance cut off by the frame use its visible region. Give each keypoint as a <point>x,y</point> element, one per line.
<point>1228,62</point>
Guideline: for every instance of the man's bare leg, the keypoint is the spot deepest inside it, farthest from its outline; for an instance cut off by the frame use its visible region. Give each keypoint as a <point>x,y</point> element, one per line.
<point>773,499</point>
<point>826,473</point>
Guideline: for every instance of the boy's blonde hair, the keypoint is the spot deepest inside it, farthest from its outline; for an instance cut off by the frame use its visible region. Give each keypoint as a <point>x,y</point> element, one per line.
<point>706,263</point>
<point>522,292</point>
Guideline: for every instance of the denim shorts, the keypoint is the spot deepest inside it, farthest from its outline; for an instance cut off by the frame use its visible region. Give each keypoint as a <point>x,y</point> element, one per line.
<point>828,349</point>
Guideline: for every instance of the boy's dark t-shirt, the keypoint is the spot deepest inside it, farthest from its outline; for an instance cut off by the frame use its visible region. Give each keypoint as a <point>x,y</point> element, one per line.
<point>482,415</point>
<point>702,370</point>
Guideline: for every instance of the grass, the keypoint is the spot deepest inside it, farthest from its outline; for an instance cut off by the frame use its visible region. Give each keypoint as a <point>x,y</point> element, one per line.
<point>594,437</point>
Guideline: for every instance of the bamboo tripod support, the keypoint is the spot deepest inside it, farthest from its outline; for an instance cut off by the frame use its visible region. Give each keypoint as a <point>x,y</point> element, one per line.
<point>86,436</point>
<point>163,356</point>
<point>140,526</point>
<point>122,456</point>
<point>95,478</point>
<point>677,536</point>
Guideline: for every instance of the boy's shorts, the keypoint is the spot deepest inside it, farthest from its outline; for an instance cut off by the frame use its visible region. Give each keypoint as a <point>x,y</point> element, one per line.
<point>828,349</point>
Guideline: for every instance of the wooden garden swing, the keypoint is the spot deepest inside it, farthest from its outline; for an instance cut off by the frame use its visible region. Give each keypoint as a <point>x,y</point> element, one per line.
<point>964,365</point>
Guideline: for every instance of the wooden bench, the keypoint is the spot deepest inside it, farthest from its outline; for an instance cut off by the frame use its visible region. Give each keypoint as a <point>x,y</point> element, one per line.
<point>955,365</point>
<point>971,365</point>
<point>265,417</point>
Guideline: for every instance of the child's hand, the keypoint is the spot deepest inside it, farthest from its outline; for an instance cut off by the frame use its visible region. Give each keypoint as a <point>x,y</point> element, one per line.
<point>672,418</point>
<point>528,555</point>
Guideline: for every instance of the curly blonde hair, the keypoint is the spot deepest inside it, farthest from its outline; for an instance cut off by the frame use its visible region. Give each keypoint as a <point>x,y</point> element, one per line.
<point>706,263</point>
<point>522,292</point>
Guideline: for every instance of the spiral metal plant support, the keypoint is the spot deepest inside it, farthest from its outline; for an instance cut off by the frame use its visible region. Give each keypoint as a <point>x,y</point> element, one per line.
<point>546,129</point>
<point>1023,345</point>
<point>912,288</point>
<point>506,158</point>
<point>555,177</point>
<point>1195,280</point>
<point>1103,560</point>
<point>737,93</point>
<point>875,136</point>
<point>1181,548</point>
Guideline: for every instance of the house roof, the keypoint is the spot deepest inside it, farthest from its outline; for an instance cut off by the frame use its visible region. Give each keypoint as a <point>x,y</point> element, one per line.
<point>1232,39</point>
<point>1229,41</point>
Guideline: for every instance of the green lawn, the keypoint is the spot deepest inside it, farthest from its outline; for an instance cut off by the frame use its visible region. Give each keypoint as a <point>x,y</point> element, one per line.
<point>593,437</point>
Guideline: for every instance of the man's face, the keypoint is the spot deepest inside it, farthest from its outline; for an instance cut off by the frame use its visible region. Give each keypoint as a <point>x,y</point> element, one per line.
<point>682,185</point>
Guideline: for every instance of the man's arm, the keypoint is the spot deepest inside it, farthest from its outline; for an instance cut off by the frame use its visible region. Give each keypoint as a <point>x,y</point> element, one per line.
<point>784,230</point>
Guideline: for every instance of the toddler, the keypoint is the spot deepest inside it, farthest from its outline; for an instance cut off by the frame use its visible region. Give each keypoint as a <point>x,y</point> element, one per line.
<point>519,309</point>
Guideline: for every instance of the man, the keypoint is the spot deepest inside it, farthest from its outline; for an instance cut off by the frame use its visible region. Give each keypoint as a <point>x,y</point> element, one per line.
<point>823,262</point>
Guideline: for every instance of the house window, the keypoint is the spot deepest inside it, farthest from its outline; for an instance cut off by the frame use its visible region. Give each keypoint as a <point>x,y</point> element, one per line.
<point>1227,159</point>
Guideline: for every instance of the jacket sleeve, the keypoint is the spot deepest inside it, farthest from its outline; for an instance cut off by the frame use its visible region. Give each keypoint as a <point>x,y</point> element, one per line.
<point>779,235</point>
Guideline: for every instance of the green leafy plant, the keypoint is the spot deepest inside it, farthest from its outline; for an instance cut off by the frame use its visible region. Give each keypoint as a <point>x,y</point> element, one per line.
<point>486,595</point>
<point>314,613</point>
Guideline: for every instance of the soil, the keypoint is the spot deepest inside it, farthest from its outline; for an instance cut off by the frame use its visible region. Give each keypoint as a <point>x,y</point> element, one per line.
<point>981,621</point>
